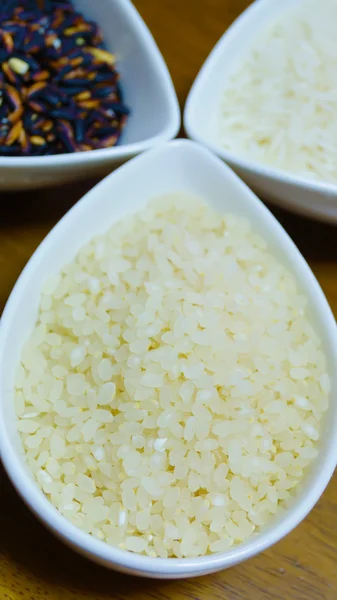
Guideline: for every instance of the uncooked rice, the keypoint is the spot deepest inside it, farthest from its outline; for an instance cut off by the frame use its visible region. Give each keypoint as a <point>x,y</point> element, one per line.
<point>169,398</point>
<point>279,107</point>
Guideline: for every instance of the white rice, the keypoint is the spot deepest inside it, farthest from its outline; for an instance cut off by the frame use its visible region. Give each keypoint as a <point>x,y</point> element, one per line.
<point>169,398</point>
<point>279,107</point>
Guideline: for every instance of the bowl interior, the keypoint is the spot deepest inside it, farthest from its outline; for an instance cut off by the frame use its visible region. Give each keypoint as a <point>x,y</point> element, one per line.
<point>202,113</point>
<point>178,166</point>
<point>144,77</point>
<point>148,91</point>
<point>203,104</point>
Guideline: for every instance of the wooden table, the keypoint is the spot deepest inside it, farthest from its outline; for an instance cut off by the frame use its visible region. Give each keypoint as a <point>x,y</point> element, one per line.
<point>33,565</point>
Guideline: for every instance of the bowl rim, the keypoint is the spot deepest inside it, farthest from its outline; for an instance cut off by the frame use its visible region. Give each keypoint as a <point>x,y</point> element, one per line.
<point>121,151</point>
<point>98,550</point>
<point>239,25</point>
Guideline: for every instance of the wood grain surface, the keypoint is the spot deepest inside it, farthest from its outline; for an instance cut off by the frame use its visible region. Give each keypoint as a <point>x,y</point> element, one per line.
<point>33,565</point>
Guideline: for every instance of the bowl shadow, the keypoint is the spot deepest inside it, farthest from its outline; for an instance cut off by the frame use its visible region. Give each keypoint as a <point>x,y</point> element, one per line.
<point>316,240</point>
<point>41,206</point>
<point>34,555</point>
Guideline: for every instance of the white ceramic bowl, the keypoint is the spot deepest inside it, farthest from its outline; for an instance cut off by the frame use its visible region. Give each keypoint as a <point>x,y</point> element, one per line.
<point>177,166</point>
<point>148,90</point>
<point>318,200</point>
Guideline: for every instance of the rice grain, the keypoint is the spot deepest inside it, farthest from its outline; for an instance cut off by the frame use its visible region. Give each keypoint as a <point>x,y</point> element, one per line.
<point>169,399</point>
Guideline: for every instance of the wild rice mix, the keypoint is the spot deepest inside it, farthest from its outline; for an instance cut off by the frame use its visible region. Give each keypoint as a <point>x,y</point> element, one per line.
<point>59,89</point>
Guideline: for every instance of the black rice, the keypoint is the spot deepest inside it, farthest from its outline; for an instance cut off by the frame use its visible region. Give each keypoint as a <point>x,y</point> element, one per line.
<point>59,88</point>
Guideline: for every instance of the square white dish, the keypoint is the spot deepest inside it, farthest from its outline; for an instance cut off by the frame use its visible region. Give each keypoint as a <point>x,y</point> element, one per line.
<point>298,194</point>
<point>148,92</point>
<point>179,166</point>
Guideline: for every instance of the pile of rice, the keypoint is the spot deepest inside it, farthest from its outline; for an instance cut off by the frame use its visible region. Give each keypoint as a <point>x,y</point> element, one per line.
<point>280,106</point>
<point>169,398</point>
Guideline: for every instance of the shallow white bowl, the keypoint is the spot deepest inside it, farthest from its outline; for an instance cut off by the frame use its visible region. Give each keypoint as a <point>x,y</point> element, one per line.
<point>177,166</point>
<point>148,91</point>
<point>317,200</point>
